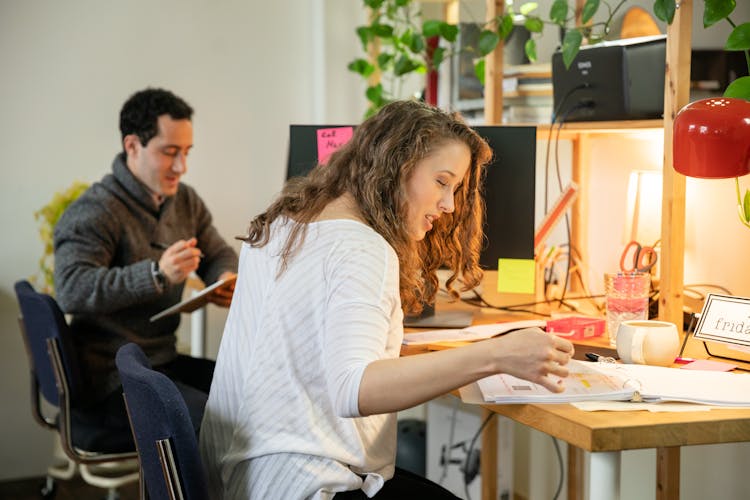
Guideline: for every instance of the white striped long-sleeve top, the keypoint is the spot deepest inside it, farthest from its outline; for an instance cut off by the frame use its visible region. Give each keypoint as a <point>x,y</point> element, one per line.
<point>282,419</point>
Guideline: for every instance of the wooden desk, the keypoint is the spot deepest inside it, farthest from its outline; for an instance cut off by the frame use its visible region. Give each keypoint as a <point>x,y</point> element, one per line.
<point>606,434</point>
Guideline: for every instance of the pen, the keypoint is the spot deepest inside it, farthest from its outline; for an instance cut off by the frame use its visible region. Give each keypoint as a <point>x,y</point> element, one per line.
<point>592,356</point>
<point>164,246</point>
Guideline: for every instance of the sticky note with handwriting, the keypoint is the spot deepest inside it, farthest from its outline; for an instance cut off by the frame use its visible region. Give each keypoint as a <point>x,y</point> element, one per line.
<point>330,139</point>
<point>515,275</point>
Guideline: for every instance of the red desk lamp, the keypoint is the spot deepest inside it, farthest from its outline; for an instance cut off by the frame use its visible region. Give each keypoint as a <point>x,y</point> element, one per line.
<point>712,141</point>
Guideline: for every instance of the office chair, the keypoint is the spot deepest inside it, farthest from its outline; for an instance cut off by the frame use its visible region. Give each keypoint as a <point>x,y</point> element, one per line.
<point>171,466</point>
<point>104,459</point>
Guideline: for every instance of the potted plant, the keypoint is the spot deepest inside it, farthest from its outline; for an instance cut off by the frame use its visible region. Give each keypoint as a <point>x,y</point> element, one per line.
<point>47,217</point>
<point>396,36</point>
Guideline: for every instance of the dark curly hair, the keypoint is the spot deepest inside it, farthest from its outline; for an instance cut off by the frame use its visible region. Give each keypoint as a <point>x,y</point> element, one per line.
<point>139,115</point>
<point>373,167</point>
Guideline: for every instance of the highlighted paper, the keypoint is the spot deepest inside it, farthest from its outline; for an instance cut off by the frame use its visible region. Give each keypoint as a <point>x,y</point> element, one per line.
<point>515,275</point>
<point>330,139</point>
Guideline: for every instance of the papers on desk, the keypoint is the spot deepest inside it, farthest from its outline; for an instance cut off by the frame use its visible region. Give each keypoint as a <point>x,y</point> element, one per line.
<point>476,332</point>
<point>618,382</point>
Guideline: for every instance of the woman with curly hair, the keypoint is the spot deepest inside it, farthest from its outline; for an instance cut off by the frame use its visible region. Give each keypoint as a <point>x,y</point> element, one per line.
<point>308,378</point>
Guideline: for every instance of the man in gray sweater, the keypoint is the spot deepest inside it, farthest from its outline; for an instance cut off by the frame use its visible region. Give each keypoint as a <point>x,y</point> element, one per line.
<point>124,249</point>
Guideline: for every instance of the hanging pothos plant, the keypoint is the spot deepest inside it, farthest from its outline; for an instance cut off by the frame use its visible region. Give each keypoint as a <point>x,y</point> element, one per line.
<point>396,38</point>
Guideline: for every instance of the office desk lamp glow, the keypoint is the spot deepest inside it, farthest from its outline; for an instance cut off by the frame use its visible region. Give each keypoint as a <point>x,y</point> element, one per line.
<point>712,141</point>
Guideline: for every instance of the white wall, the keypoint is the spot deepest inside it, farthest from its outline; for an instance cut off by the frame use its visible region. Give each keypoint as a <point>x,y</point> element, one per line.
<point>249,68</point>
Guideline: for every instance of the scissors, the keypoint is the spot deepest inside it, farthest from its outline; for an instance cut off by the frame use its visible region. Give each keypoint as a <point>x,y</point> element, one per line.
<point>642,260</point>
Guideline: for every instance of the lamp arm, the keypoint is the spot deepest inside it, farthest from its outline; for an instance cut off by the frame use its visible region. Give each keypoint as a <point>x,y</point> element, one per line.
<point>740,206</point>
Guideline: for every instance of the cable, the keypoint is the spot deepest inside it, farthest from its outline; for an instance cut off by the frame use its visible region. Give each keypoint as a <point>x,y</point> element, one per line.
<point>446,460</point>
<point>469,453</point>
<point>562,468</point>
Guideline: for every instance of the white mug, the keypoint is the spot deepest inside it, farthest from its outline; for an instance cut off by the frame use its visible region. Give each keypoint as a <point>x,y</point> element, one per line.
<point>648,342</point>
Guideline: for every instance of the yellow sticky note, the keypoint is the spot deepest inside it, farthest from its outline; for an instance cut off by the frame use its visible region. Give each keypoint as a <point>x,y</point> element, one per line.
<point>515,275</point>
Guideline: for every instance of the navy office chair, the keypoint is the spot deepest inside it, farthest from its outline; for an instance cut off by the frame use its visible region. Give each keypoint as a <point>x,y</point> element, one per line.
<point>104,458</point>
<point>171,466</point>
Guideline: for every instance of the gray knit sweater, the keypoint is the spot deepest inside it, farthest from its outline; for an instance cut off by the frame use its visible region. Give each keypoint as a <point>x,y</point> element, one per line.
<point>105,243</point>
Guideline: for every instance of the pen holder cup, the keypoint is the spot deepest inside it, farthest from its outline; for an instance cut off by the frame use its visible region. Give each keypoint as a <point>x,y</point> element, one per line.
<point>648,342</point>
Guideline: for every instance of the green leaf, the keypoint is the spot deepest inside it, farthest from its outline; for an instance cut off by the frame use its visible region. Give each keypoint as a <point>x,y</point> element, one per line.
<point>739,88</point>
<point>438,56</point>
<point>362,67</point>
<point>534,24</point>
<point>589,10</point>
<point>382,30</point>
<point>558,12</point>
<point>449,31</point>
<point>488,40</point>
<point>479,69</point>
<point>375,94</point>
<point>404,65</point>
<point>746,206</point>
<point>528,8</point>
<point>431,28</point>
<point>529,49</point>
<point>374,4</point>
<point>570,46</point>
<point>417,43</point>
<point>384,59</point>
<point>664,10</point>
<point>406,37</point>
<point>402,3</point>
<point>365,35</point>
<point>717,10</point>
<point>739,38</point>
<point>505,26</point>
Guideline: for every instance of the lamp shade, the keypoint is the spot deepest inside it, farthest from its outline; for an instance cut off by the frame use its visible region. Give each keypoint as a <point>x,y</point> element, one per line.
<point>712,138</point>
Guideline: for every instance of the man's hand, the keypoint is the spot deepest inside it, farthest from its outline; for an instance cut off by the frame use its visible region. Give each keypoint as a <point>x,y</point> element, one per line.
<point>222,296</point>
<point>179,260</point>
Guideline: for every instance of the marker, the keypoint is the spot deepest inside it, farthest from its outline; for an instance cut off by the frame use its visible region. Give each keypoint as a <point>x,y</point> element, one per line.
<point>592,356</point>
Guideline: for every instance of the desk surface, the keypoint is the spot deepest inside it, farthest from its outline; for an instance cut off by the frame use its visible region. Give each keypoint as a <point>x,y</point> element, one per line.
<point>614,431</point>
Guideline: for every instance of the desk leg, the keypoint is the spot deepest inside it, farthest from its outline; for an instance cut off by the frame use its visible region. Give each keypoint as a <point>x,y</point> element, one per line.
<point>488,457</point>
<point>668,473</point>
<point>575,472</point>
<point>198,333</point>
<point>604,475</point>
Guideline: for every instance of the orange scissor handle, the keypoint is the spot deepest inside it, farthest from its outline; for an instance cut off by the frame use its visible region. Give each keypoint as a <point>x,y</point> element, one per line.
<point>642,260</point>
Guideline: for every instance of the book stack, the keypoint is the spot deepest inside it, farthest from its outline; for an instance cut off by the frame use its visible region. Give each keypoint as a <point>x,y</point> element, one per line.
<point>527,93</point>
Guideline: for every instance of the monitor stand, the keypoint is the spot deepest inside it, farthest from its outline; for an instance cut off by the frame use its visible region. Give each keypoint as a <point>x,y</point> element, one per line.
<point>430,318</point>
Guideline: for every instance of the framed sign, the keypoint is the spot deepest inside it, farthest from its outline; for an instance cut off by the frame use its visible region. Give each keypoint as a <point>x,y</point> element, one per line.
<point>725,319</point>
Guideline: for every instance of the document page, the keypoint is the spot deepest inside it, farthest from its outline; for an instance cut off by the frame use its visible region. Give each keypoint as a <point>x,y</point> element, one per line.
<point>476,332</point>
<point>582,384</point>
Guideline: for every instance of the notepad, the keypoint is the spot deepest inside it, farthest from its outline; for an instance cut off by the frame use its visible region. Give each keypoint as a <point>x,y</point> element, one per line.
<point>476,332</point>
<point>619,382</point>
<point>196,301</point>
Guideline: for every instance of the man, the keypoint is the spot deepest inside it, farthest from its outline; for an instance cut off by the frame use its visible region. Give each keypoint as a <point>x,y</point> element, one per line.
<point>124,249</point>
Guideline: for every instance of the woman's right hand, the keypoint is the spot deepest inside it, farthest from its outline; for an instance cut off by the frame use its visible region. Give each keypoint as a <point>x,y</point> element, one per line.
<point>533,355</point>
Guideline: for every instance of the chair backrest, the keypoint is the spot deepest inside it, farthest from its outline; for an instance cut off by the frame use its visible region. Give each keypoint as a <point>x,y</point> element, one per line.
<point>42,319</point>
<point>164,435</point>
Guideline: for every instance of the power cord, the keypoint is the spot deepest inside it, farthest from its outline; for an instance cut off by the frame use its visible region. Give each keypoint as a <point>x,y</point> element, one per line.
<point>471,464</point>
<point>562,468</point>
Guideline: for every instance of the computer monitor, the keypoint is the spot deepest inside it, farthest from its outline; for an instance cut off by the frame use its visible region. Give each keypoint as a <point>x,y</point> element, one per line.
<point>508,191</point>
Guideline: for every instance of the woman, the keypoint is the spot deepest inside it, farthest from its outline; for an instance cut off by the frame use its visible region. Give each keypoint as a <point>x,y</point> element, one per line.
<point>308,376</point>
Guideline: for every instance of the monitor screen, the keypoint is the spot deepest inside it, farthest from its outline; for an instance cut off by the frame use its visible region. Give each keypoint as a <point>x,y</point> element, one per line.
<point>508,189</point>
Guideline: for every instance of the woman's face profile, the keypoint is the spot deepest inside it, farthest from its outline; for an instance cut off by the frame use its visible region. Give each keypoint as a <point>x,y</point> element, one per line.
<point>430,189</point>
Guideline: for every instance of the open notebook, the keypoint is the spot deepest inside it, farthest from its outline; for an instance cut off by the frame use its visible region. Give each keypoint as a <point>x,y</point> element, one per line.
<point>619,382</point>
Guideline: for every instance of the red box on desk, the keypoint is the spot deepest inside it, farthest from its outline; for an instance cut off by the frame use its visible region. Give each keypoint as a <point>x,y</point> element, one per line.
<point>576,327</point>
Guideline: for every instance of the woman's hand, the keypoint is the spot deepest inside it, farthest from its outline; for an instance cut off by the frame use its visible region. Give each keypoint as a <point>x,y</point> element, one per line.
<point>533,355</point>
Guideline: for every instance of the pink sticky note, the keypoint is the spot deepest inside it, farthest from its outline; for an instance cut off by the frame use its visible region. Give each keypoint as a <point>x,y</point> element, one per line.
<point>709,365</point>
<point>330,139</point>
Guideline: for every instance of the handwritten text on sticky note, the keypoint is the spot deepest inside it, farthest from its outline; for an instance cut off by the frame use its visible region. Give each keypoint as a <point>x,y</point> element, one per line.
<point>515,275</point>
<point>330,139</point>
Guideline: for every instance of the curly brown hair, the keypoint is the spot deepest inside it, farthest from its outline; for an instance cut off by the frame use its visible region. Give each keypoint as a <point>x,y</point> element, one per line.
<point>373,167</point>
